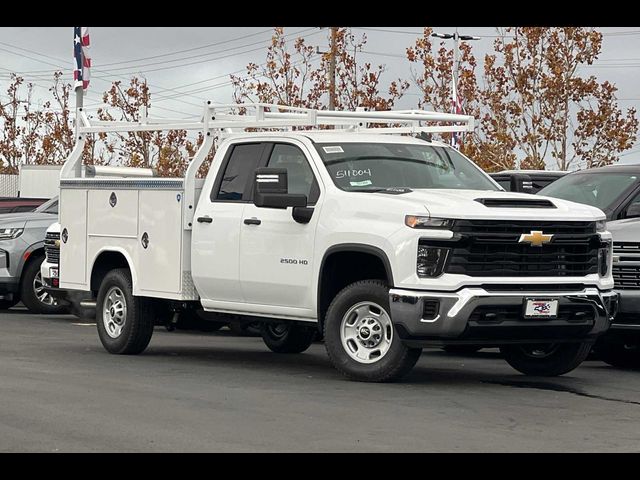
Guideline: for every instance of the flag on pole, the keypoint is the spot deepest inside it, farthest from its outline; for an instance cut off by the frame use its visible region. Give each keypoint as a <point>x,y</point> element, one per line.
<point>81,56</point>
<point>456,107</point>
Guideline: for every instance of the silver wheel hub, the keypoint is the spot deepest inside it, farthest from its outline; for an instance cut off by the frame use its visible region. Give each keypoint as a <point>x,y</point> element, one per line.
<point>114,312</point>
<point>42,296</point>
<point>366,332</point>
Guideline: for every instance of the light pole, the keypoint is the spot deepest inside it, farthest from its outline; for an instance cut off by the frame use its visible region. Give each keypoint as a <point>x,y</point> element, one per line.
<point>454,73</point>
<point>456,50</point>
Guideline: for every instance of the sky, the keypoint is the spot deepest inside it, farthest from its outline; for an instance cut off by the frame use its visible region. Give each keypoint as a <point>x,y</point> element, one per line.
<point>185,66</point>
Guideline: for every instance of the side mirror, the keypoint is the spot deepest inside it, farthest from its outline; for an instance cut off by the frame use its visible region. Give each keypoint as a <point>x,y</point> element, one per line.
<point>521,182</point>
<point>633,210</point>
<point>272,190</point>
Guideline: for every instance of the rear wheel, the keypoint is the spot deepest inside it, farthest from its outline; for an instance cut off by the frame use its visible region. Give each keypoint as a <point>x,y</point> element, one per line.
<point>287,337</point>
<point>546,360</point>
<point>32,292</point>
<point>360,338</point>
<point>125,323</point>
<point>620,355</point>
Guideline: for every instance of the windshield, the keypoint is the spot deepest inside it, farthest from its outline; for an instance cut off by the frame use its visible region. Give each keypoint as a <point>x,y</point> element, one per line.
<point>50,206</point>
<point>379,166</point>
<point>596,189</point>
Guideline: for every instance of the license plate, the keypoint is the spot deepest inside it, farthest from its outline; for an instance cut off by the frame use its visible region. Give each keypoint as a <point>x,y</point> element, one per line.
<point>540,308</point>
<point>53,272</point>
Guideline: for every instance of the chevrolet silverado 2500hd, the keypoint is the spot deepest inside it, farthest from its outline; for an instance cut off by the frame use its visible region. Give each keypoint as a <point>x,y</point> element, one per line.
<point>386,242</point>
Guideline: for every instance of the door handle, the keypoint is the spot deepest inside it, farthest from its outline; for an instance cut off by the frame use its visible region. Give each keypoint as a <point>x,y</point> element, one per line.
<point>205,219</point>
<point>252,221</point>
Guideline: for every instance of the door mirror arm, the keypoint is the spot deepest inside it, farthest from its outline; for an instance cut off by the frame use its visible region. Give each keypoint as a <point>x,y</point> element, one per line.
<point>302,214</point>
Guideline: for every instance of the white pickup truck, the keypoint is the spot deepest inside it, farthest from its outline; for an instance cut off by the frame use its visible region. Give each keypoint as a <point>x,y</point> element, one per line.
<point>383,241</point>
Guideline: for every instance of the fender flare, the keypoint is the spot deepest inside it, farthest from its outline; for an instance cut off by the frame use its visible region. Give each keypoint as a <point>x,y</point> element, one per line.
<point>127,257</point>
<point>352,247</point>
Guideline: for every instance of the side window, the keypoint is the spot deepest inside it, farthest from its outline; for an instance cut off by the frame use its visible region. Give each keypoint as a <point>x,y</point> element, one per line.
<point>24,208</point>
<point>633,209</point>
<point>238,173</point>
<point>506,184</point>
<point>299,174</point>
<point>53,208</point>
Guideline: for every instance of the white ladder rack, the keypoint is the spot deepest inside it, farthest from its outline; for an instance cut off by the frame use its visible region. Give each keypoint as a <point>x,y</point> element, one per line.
<point>226,120</point>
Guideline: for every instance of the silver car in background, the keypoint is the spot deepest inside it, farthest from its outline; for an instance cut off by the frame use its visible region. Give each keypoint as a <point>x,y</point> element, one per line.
<point>21,253</point>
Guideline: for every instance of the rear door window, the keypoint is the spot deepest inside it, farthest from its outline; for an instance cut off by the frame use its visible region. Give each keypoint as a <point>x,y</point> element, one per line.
<point>234,185</point>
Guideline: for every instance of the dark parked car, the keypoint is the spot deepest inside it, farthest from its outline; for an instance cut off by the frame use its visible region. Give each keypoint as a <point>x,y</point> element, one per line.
<point>526,181</point>
<point>616,191</point>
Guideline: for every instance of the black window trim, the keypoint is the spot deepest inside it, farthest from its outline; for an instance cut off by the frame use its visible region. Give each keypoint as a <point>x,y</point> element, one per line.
<point>621,211</point>
<point>247,194</point>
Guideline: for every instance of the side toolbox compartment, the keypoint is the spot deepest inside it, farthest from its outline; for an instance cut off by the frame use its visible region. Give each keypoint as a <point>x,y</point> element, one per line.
<point>159,248</point>
<point>73,238</point>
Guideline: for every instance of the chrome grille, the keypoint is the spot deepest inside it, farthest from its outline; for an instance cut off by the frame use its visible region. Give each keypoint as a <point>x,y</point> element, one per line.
<point>626,265</point>
<point>52,252</point>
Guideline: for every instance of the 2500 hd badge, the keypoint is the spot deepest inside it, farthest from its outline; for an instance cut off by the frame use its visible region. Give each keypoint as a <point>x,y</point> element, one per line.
<point>293,261</point>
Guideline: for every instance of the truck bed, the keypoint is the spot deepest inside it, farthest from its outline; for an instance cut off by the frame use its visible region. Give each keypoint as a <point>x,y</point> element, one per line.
<point>140,218</point>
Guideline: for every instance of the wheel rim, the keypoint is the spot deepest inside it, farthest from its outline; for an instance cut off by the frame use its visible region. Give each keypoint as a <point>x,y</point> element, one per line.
<point>114,312</point>
<point>278,330</point>
<point>41,294</point>
<point>540,350</point>
<point>366,332</point>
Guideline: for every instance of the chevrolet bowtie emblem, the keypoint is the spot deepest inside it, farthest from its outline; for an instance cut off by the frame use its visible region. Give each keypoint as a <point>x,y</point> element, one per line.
<point>536,238</point>
<point>57,243</point>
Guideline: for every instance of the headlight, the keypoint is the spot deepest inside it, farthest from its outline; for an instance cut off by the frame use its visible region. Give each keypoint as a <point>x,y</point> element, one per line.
<point>418,221</point>
<point>601,225</point>
<point>9,233</point>
<point>431,260</point>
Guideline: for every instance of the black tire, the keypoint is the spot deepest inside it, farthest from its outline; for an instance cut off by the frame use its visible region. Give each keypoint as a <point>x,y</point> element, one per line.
<point>392,365</point>
<point>137,321</point>
<point>287,337</point>
<point>462,349</point>
<point>7,304</point>
<point>28,295</point>
<point>546,360</point>
<point>620,355</point>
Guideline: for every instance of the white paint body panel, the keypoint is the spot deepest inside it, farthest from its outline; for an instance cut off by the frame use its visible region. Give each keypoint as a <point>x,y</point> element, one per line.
<point>73,252</point>
<point>39,181</point>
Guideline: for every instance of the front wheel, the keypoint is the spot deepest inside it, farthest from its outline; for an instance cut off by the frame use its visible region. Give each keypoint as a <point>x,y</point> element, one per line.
<point>360,338</point>
<point>32,291</point>
<point>287,337</point>
<point>125,323</point>
<point>546,360</point>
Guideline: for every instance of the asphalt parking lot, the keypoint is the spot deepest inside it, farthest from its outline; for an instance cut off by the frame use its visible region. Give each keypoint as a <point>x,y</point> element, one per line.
<point>190,392</point>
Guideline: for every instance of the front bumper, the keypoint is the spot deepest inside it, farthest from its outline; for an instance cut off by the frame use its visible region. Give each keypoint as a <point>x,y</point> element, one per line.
<point>476,316</point>
<point>9,285</point>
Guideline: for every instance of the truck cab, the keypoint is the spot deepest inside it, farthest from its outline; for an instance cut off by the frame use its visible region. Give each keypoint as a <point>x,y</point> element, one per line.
<point>383,242</point>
